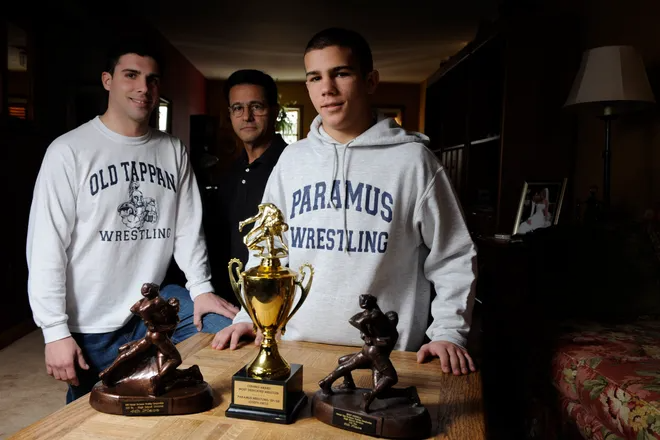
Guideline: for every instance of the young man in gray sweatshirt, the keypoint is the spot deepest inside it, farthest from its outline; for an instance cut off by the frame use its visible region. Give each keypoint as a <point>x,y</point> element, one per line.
<point>371,208</point>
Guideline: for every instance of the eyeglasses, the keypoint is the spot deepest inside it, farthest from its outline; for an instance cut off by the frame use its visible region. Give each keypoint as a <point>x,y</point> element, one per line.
<point>255,108</point>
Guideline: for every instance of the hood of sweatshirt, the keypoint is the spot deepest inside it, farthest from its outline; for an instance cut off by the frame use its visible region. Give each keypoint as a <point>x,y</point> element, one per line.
<point>386,132</point>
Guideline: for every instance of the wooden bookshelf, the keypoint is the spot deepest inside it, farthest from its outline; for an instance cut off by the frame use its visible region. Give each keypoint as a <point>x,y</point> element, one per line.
<point>494,113</point>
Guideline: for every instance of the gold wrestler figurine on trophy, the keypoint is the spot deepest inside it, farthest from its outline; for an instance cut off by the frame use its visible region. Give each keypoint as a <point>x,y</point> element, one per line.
<point>267,294</point>
<point>268,224</point>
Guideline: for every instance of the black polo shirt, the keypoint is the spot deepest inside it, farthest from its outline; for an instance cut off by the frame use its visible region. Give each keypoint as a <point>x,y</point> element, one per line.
<point>237,198</point>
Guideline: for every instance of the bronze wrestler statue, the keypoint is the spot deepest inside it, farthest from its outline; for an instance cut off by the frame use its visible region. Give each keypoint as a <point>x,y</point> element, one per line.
<point>161,318</point>
<point>379,333</point>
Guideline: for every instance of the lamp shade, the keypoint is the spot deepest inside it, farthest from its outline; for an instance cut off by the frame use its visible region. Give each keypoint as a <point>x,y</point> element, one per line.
<point>614,77</point>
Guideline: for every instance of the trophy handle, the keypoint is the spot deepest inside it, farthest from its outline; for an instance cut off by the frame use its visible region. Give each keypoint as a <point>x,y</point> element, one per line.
<point>304,292</point>
<point>236,285</point>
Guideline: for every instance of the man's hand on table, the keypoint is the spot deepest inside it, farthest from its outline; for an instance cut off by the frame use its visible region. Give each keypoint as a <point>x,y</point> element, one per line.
<point>231,335</point>
<point>211,303</point>
<point>453,358</point>
<point>61,358</point>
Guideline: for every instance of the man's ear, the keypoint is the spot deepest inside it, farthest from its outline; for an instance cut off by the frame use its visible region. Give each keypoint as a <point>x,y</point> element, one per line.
<point>373,78</point>
<point>106,80</point>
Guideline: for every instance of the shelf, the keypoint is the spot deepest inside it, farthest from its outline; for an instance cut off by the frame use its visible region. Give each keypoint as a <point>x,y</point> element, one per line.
<point>477,142</point>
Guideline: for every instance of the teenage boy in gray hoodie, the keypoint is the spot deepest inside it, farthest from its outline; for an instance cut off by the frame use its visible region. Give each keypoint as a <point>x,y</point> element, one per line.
<point>371,208</point>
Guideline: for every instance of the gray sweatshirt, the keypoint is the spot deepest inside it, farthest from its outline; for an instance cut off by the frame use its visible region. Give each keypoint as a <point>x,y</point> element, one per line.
<point>377,215</point>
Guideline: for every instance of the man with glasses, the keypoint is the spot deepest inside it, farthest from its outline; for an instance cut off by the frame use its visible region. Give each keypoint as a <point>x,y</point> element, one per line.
<point>253,110</point>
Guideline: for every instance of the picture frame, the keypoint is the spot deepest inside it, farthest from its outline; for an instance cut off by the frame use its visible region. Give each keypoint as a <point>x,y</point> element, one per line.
<point>391,111</point>
<point>540,205</point>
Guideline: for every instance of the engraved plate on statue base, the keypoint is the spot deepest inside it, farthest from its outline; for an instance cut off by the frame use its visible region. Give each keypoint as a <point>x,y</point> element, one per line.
<point>391,417</point>
<point>192,399</point>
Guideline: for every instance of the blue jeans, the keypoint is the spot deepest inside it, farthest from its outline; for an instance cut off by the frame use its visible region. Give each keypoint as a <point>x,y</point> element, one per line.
<point>101,349</point>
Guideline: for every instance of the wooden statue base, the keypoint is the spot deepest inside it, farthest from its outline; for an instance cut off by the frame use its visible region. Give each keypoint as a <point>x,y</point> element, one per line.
<point>275,401</point>
<point>185,400</point>
<point>393,417</point>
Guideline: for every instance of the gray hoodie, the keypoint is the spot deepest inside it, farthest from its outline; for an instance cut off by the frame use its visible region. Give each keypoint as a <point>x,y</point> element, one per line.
<point>377,215</point>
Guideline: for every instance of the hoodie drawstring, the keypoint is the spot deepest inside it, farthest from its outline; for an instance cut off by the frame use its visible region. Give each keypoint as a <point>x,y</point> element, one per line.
<point>334,176</point>
<point>343,179</point>
<point>335,166</point>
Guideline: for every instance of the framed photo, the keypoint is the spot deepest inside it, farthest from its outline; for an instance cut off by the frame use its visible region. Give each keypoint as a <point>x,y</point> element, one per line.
<point>392,112</point>
<point>540,205</point>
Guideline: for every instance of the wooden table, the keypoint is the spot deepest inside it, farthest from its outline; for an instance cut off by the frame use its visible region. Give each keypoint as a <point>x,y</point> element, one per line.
<point>455,402</point>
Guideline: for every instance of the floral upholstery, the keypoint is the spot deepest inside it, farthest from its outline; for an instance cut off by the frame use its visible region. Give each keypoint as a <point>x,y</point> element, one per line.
<point>589,425</point>
<point>608,377</point>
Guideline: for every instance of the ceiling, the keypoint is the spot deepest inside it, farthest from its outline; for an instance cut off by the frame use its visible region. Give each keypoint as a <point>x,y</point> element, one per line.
<point>408,38</point>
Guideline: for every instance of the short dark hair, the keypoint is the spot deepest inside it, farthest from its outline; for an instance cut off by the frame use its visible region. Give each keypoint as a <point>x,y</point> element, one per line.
<point>125,46</point>
<point>344,38</point>
<point>253,77</point>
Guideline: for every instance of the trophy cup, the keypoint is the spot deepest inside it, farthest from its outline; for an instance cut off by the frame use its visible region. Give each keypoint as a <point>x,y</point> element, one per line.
<point>382,411</point>
<point>268,388</point>
<point>144,379</point>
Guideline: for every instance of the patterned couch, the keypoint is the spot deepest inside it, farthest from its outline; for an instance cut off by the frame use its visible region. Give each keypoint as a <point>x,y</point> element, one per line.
<point>606,358</point>
<point>608,378</point>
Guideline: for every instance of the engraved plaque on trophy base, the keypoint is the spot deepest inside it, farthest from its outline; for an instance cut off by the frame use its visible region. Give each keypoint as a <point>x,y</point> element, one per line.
<point>391,417</point>
<point>191,399</point>
<point>276,401</point>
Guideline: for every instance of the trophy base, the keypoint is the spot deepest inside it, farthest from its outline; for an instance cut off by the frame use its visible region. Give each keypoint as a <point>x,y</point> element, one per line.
<point>275,401</point>
<point>186,400</point>
<point>390,417</point>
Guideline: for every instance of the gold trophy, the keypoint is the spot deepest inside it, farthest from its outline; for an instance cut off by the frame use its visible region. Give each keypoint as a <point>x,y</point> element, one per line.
<point>268,388</point>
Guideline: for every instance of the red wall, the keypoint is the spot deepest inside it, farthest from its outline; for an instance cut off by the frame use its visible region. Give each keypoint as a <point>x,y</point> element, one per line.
<point>185,87</point>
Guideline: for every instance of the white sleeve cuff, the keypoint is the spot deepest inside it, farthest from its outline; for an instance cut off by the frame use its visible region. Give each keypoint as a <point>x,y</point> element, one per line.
<point>198,289</point>
<point>448,337</point>
<point>56,332</point>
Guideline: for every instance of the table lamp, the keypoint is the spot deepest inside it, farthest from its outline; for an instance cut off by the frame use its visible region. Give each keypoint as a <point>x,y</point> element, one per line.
<point>611,81</point>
